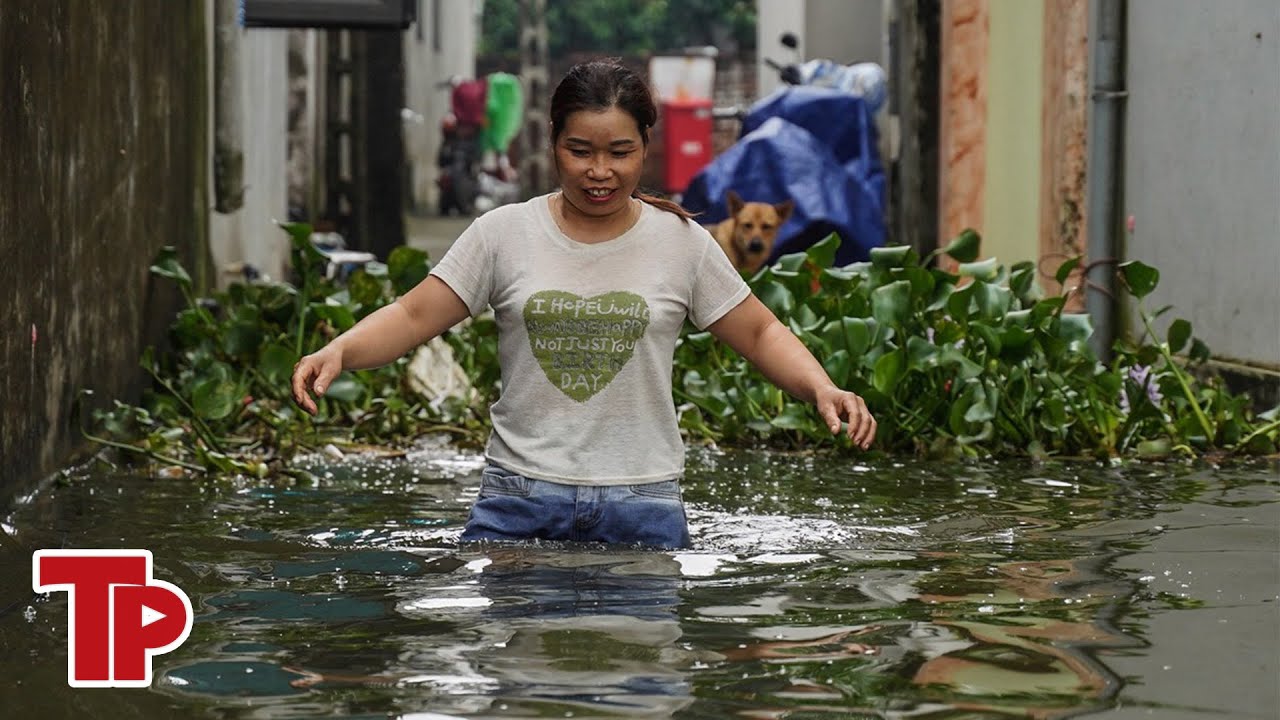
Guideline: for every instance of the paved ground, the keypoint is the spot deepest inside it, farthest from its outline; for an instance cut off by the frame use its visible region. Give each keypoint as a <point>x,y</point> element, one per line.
<point>433,233</point>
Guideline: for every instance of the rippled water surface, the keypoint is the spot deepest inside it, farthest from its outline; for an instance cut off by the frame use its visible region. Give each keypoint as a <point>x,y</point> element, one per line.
<point>817,587</point>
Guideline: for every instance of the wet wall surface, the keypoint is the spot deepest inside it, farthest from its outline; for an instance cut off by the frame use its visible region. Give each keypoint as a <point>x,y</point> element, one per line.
<point>102,131</point>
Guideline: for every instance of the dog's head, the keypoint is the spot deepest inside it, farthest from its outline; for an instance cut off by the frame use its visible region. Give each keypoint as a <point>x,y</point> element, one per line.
<point>755,227</point>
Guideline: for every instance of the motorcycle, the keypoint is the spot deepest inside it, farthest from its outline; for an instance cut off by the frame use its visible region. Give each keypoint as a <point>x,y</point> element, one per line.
<point>476,174</point>
<point>459,157</point>
<point>813,141</point>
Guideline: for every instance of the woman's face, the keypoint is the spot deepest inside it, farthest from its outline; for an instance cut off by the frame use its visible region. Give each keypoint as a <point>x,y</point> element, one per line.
<point>599,156</point>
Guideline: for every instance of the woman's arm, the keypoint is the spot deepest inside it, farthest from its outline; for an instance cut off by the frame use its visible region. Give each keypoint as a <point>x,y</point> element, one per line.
<point>419,315</point>
<point>753,331</point>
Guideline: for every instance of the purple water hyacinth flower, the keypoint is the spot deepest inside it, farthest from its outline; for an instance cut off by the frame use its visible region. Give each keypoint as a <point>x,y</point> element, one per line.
<point>1141,376</point>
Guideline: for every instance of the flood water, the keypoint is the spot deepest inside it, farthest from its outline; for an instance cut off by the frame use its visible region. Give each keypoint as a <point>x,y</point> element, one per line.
<point>817,587</point>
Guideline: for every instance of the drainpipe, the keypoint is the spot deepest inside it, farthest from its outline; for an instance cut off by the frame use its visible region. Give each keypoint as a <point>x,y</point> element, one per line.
<point>1102,180</point>
<point>228,133</point>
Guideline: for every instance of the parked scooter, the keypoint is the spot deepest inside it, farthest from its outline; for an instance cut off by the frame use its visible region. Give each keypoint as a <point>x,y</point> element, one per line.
<point>866,80</point>
<point>459,155</point>
<point>476,174</point>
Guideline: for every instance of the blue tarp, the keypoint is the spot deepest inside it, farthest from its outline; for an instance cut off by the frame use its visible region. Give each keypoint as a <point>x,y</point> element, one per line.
<point>816,146</point>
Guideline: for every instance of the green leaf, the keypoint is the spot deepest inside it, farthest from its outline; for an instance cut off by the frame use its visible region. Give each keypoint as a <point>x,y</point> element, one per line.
<point>1155,449</point>
<point>407,266</point>
<point>1199,351</point>
<point>215,398</point>
<point>891,304</point>
<point>242,339</point>
<point>1013,340</point>
<point>1179,334</point>
<point>300,239</point>
<point>894,256</point>
<point>1022,278</point>
<point>922,281</point>
<point>806,318</point>
<point>921,354</point>
<point>1054,416</point>
<point>942,292</point>
<point>793,417</point>
<point>838,366</point>
<point>888,371</point>
<point>851,334</point>
<point>276,363</point>
<point>167,265</point>
<point>364,290</point>
<point>965,368</point>
<point>1018,318</point>
<point>339,316</point>
<point>701,340</point>
<point>993,301</point>
<point>985,433</point>
<point>989,336</point>
<point>965,246</point>
<point>1046,310</point>
<point>345,389</point>
<point>982,408</point>
<point>987,269</point>
<point>823,252</point>
<point>789,264</point>
<point>1140,278</point>
<point>1075,329</point>
<point>960,302</point>
<point>277,301</point>
<point>776,297</point>
<point>1065,270</point>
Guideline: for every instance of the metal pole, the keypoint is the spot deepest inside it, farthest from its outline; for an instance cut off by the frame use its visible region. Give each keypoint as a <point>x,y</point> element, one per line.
<point>1106,70</point>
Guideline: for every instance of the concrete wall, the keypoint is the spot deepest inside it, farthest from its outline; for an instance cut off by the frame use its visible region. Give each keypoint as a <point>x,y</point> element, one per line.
<point>102,131</point>
<point>1063,115</point>
<point>250,234</point>
<point>962,137</point>
<point>440,45</point>
<point>1014,61</point>
<point>1202,166</point>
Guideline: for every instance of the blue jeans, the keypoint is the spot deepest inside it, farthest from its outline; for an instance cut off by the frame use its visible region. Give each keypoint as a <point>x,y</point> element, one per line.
<point>514,507</point>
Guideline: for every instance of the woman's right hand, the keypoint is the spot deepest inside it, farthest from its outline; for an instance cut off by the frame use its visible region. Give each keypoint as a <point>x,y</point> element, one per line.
<point>314,373</point>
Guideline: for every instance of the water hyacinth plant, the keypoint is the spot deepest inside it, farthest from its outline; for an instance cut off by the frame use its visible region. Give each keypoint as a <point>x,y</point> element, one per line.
<point>972,363</point>
<point>220,396</point>
<point>976,362</point>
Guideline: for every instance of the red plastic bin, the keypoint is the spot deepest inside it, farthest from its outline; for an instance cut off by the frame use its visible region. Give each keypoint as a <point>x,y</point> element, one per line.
<point>687,140</point>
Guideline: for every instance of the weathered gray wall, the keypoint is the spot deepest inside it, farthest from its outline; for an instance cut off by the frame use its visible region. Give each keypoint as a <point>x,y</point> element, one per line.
<point>250,234</point>
<point>102,135</point>
<point>1202,166</point>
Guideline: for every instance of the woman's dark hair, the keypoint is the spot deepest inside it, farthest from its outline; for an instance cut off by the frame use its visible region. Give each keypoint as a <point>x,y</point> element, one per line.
<point>598,85</point>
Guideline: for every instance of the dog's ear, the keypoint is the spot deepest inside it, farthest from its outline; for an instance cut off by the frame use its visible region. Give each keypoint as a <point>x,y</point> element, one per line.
<point>784,209</point>
<point>734,202</point>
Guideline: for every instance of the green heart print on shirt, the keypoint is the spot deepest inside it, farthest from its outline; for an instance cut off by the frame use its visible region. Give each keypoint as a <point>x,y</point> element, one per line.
<point>583,343</point>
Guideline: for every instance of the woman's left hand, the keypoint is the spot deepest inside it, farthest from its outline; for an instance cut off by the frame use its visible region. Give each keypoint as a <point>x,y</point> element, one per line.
<point>835,405</point>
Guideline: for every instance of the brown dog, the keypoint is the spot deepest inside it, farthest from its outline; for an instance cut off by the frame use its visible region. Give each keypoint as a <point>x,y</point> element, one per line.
<point>748,235</point>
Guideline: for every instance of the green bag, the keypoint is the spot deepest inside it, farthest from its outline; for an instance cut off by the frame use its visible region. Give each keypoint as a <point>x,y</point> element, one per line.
<point>505,111</point>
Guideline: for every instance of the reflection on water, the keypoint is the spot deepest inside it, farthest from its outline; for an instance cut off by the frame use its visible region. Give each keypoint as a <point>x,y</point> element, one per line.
<point>815,588</point>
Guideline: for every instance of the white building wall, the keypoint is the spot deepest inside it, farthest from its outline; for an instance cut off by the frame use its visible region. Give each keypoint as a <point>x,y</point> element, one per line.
<point>847,31</point>
<point>441,45</point>
<point>774,17</point>
<point>250,234</point>
<point>1202,167</point>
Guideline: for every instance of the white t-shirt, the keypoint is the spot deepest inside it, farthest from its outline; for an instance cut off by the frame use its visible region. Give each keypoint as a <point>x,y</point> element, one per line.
<point>586,335</point>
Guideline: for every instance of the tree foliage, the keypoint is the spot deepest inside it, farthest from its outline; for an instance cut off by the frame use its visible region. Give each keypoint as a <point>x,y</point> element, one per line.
<point>624,27</point>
